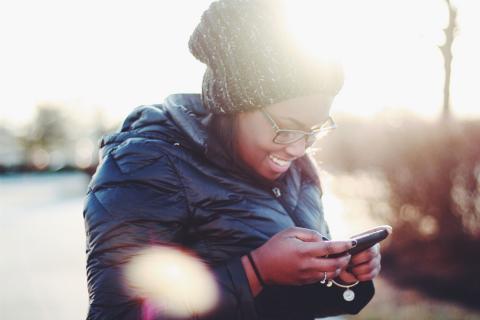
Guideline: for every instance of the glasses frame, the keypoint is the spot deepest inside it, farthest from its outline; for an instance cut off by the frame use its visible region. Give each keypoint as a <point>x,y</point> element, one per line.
<point>310,137</point>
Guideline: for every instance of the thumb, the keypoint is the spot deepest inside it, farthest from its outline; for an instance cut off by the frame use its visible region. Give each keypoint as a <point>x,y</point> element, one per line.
<point>347,276</point>
<point>306,235</point>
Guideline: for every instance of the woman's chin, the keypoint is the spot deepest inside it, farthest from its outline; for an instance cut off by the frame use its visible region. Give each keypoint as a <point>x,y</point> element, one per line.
<point>271,175</point>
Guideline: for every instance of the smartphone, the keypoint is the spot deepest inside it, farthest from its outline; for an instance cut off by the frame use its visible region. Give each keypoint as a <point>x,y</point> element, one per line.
<point>366,240</point>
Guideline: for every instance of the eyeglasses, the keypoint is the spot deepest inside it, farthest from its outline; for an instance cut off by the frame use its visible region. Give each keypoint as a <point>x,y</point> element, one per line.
<point>287,136</point>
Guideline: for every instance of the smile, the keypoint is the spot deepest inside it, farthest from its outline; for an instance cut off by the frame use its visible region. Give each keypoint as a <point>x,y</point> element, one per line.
<point>278,161</point>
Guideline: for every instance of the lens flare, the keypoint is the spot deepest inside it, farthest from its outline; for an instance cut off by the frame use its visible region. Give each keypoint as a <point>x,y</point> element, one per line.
<point>171,282</point>
<point>316,26</point>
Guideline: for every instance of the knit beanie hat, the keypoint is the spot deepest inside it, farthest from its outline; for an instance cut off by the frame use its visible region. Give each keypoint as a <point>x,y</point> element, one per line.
<point>252,60</point>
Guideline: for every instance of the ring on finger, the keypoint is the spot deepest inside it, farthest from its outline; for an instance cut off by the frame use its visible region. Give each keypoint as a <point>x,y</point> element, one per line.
<point>324,278</point>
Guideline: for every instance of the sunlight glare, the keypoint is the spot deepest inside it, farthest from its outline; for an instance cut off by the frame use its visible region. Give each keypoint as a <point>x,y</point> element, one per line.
<point>132,57</point>
<point>389,64</point>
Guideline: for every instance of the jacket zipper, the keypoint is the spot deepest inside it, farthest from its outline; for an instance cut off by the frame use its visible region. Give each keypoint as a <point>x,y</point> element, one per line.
<point>277,193</point>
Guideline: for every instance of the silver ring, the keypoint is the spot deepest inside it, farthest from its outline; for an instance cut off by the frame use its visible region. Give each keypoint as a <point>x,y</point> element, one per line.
<point>324,278</point>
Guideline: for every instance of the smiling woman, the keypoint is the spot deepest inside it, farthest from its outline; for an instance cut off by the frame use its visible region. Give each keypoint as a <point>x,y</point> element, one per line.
<point>224,178</point>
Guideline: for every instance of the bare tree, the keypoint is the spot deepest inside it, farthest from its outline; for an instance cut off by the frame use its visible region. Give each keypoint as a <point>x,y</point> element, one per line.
<point>446,50</point>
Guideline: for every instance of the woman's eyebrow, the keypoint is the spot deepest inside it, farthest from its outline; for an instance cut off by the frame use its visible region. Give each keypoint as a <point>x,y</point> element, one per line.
<point>300,124</point>
<point>295,121</point>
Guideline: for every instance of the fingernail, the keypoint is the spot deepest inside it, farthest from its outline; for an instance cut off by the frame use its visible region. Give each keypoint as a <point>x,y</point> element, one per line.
<point>354,243</point>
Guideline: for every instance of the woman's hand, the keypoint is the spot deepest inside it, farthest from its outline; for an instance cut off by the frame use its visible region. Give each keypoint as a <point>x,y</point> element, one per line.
<point>295,256</point>
<point>363,266</point>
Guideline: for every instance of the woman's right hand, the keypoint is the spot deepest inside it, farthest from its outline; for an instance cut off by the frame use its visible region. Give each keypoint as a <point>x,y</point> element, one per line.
<point>296,256</point>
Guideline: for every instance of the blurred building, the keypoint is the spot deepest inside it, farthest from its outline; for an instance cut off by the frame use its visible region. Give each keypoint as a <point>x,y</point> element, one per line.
<point>11,152</point>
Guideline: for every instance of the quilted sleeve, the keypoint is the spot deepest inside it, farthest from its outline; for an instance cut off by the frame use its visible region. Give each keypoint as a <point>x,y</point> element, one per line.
<point>132,204</point>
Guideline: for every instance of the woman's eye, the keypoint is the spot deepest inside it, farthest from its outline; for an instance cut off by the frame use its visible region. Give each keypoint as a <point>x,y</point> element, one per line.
<point>287,136</point>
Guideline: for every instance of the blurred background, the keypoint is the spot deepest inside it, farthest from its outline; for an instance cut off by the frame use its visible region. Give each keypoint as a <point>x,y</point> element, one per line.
<point>406,151</point>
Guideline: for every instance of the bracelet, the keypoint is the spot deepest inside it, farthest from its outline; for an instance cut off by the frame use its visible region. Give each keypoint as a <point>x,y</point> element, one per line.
<point>346,286</point>
<point>254,266</point>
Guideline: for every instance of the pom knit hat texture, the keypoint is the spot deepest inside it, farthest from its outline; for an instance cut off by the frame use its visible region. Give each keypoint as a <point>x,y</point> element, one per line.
<point>252,60</point>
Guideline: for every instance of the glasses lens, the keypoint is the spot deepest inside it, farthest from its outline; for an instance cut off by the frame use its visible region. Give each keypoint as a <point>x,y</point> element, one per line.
<point>291,136</point>
<point>286,137</point>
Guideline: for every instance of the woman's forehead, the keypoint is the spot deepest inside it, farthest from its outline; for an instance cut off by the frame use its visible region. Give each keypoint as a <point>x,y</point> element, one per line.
<point>307,111</point>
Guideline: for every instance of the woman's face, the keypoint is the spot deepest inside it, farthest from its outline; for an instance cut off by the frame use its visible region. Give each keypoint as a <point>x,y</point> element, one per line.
<point>255,133</point>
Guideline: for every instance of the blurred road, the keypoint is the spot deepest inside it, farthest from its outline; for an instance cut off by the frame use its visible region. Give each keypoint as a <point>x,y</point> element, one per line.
<point>42,243</point>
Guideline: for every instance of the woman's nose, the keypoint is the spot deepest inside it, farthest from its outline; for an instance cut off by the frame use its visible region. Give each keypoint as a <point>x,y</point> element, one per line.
<point>297,149</point>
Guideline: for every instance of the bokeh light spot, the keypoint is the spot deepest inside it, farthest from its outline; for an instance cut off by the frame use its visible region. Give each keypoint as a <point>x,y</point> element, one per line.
<point>172,282</point>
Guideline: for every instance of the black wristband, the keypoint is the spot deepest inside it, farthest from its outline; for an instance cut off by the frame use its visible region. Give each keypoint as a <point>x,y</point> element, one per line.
<point>254,266</point>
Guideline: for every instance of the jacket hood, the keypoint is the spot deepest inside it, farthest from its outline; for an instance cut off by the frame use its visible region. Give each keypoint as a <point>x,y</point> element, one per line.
<point>181,118</point>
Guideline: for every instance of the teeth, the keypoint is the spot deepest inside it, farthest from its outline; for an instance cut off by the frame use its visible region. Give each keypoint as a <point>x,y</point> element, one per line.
<point>278,161</point>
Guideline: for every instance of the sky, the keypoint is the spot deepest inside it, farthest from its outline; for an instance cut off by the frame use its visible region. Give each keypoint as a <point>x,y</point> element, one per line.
<point>103,58</point>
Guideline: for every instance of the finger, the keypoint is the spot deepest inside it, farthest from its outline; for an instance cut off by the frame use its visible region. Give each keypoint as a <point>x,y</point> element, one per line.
<point>324,248</point>
<point>314,277</point>
<point>369,276</point>
<point>384,227</point>
<point>320,275</point>
<point>347,277</point>
<point>328,264</point>
<point>304,234</point>
<point>330,275</point>
<point>365,255</point>
<point>366,268</point>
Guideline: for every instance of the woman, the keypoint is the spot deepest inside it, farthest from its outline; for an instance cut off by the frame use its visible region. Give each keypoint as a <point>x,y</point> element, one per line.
<point>225,174</point>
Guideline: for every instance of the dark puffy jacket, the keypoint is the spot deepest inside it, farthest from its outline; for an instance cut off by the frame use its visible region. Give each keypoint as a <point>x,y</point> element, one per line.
<point>161,181</point>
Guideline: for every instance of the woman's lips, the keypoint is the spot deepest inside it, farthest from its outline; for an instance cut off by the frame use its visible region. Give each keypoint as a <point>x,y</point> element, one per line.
<point>277,164</point>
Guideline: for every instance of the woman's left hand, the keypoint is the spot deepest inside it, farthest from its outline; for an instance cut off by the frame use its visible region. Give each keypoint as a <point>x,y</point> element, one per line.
<point>363,266</point>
